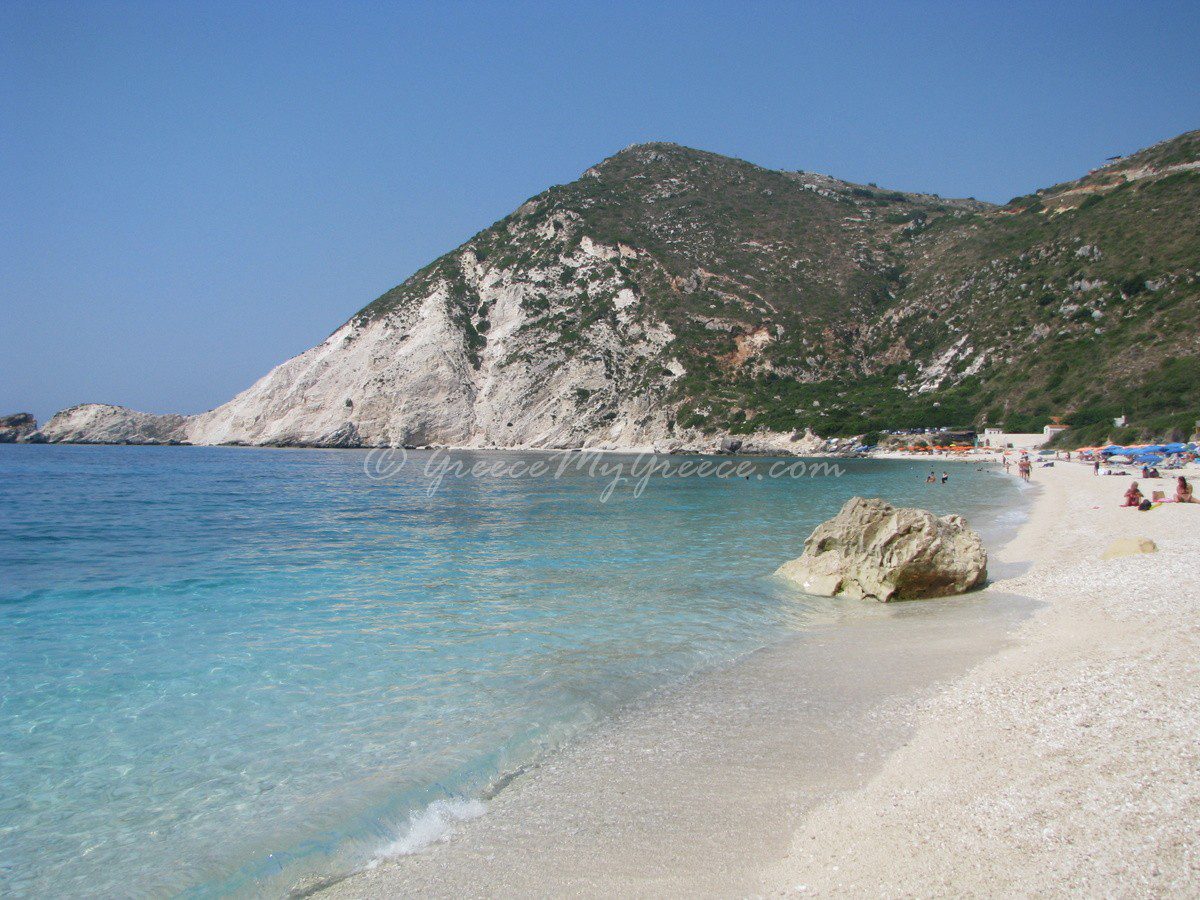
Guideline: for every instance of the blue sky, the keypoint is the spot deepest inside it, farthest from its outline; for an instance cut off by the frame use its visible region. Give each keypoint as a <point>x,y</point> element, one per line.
<point>195,192</point>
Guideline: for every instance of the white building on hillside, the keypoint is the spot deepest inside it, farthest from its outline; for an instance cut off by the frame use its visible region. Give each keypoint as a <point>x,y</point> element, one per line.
<point>999,439</point>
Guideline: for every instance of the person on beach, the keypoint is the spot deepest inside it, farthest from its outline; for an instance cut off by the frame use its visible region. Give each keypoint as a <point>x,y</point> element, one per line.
<point>1025,468</point>
<point>1133,495</point>
<point>1183,491</point>
<point>1006,465</point>
<point>1096,464</point>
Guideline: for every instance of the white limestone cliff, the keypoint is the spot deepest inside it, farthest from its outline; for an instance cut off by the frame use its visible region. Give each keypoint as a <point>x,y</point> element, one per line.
<point>408,375</point>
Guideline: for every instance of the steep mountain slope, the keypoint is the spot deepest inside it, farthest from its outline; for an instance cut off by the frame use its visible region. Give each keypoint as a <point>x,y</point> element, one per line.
<point>670,295</point>
<point>1080,300</point>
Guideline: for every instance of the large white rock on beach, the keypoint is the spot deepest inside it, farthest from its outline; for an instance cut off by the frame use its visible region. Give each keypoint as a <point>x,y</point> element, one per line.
<point>872,549</point>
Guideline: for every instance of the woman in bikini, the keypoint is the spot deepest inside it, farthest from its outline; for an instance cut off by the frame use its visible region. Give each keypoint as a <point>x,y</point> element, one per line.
<point>1183,491</point>
<point>1133,496</point>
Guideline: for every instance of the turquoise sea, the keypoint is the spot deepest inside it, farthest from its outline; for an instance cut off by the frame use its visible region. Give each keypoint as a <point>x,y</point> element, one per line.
<point>227,670</point>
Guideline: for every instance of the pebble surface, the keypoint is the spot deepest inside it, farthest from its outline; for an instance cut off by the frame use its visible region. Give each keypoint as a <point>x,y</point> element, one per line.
<point>1067,764</point>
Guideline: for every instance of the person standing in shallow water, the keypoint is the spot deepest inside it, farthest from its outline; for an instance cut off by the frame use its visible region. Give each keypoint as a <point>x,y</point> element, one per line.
<point>945,477</point>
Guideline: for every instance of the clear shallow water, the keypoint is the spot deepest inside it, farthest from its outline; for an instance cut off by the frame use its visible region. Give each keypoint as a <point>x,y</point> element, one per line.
<point>222,670</point>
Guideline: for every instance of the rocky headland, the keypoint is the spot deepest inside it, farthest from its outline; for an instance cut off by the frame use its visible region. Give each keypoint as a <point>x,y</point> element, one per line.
<point>17,428</point>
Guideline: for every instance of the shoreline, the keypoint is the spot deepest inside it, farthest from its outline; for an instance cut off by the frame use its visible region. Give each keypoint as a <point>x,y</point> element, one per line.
<point>720,541</point>
<point>1042,729</point>
<point>1024,757</point>
<point>697,790</point>
<point>753,446</point>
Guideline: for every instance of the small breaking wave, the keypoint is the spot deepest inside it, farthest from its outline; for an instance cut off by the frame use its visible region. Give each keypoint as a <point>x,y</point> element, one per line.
<point>436,822</point>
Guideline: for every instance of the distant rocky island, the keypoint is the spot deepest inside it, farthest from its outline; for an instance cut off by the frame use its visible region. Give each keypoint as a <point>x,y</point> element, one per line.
<point>675,299</point>
<point>19,428</point>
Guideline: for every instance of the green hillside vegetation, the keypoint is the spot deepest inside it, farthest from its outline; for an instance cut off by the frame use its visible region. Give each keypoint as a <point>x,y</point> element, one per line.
<point>797,300</point>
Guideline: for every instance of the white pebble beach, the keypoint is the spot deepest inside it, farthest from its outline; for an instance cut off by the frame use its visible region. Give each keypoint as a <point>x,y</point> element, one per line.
<point>1066,764</point>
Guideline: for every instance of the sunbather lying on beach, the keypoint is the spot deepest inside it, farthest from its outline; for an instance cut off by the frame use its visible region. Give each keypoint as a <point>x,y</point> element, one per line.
<point>1133,496</point>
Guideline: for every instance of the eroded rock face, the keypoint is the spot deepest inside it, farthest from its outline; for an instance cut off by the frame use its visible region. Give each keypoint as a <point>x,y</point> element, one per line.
<point>872,549</point>
<point>99,423</point>
<point>17,427</point>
